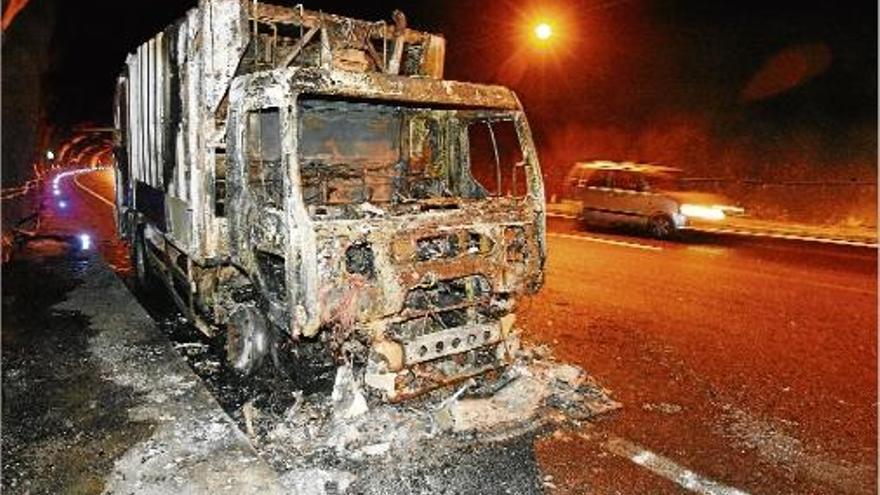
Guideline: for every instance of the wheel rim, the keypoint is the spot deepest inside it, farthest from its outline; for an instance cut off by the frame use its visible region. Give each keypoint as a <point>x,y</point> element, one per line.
<point>247,340</point>
<point>661,227</point>
<point>140,261</point>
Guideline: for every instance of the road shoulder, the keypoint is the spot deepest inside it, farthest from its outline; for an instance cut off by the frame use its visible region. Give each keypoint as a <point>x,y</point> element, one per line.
<point>172,436</point>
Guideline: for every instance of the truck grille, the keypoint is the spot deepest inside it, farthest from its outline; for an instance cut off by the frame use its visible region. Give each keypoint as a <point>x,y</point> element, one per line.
<point>452,245</point>
<point>448,293</point>
<point>449,317</point>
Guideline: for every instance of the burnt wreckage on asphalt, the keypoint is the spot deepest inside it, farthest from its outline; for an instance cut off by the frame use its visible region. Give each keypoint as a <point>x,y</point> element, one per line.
<point>296,175</point>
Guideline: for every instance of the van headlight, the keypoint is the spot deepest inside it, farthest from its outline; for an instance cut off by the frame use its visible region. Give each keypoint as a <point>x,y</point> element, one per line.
<point>701,211</point>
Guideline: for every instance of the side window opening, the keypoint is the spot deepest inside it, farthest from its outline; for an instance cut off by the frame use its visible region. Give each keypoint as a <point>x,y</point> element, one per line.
<point>426,173</point>
<point>496,158</point>
<point>263,153</point>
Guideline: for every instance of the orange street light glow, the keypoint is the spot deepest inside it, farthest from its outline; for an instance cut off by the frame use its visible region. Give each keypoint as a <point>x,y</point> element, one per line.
<point>543,31</point>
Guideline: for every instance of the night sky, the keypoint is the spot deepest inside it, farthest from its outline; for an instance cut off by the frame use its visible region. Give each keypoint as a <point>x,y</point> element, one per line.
<point>631,66</point>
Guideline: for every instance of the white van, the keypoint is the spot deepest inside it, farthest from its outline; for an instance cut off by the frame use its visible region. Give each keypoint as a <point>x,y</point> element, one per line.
<point>644,196</point>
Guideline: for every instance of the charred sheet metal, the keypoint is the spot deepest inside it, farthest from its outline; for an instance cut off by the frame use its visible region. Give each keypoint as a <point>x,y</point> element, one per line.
<point>326,175</point>
<point>397,244</point>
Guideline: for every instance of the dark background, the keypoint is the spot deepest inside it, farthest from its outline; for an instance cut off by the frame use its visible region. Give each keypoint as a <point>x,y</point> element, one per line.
<point>767,89</point>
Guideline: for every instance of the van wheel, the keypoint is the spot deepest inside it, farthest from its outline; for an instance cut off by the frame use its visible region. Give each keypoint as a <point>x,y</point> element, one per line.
<point>661,227</point>
<point>585,223</point>
<point>247,339</point>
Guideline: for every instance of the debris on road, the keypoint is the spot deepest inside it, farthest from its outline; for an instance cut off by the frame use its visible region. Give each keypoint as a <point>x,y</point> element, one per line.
<point>319,440</point>
<point>207,366</point>
<point>348,400</point>
<point>117,411</point>
<point>368,442</point>
<point>543,389</point>
<point>191,348</point>
<point>662,407</point>
<point>248,412</point>
<point>774,442</point>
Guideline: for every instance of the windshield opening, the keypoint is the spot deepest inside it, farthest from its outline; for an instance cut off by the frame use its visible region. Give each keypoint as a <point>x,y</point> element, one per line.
<point>356,157</point>
<point>496,158</point>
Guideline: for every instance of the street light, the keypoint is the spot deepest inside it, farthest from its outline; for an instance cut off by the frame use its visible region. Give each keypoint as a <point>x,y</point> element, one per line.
<point>543,31</point>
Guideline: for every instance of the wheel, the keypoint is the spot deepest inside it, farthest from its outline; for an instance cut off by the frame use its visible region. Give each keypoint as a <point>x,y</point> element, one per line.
<point>248,339</point>
<point>584,222</point>
<point>661,227</point>
<point>144,277</point>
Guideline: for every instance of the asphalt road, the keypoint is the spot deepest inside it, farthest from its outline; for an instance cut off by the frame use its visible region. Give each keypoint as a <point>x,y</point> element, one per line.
<point>744,365</point>
<point>750,362</point>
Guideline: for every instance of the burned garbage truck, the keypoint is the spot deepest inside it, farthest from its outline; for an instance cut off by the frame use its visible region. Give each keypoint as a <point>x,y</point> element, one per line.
<point>294,176</point>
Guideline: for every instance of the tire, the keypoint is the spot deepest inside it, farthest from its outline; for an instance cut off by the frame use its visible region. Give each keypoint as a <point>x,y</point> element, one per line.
<point>584,223</point>
<point>661,227</point>
<point>248,339</point>
<point>144,277</point>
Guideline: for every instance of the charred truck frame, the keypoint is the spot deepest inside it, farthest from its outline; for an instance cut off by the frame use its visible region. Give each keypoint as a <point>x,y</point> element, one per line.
<point>289,174</point>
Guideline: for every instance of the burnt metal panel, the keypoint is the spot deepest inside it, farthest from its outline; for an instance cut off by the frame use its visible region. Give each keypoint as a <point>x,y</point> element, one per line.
<point>180,219</point>
<point>389,251</point>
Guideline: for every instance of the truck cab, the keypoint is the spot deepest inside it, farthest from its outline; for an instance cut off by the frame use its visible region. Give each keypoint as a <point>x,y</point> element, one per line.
<point>355,197</point>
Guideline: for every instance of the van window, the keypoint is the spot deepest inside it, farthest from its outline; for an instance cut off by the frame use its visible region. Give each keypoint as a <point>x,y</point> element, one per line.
<point>661,182</point>
<point>628,181</point>
<point>598,178</point>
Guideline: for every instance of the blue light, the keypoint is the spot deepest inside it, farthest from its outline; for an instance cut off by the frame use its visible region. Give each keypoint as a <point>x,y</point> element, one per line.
<point>85,242</point>
<point>62,204</point>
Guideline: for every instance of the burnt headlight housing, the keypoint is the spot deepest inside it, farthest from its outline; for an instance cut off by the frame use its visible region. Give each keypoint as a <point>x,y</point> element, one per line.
<point>359,259</point>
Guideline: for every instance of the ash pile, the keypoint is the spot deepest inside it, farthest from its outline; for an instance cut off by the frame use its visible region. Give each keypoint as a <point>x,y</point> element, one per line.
<point>351,442</point>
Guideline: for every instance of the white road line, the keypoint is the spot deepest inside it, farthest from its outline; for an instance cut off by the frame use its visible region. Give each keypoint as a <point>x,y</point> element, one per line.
<point>601,240</point>
<point>561,215</point>
<point>792,237</point>
<point>664,467</point>
<point>756,233</point>
<point>92,192</point>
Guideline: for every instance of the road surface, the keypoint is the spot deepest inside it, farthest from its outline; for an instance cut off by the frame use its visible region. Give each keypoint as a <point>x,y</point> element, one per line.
<point>750,362</point>
<point>744,365</point>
